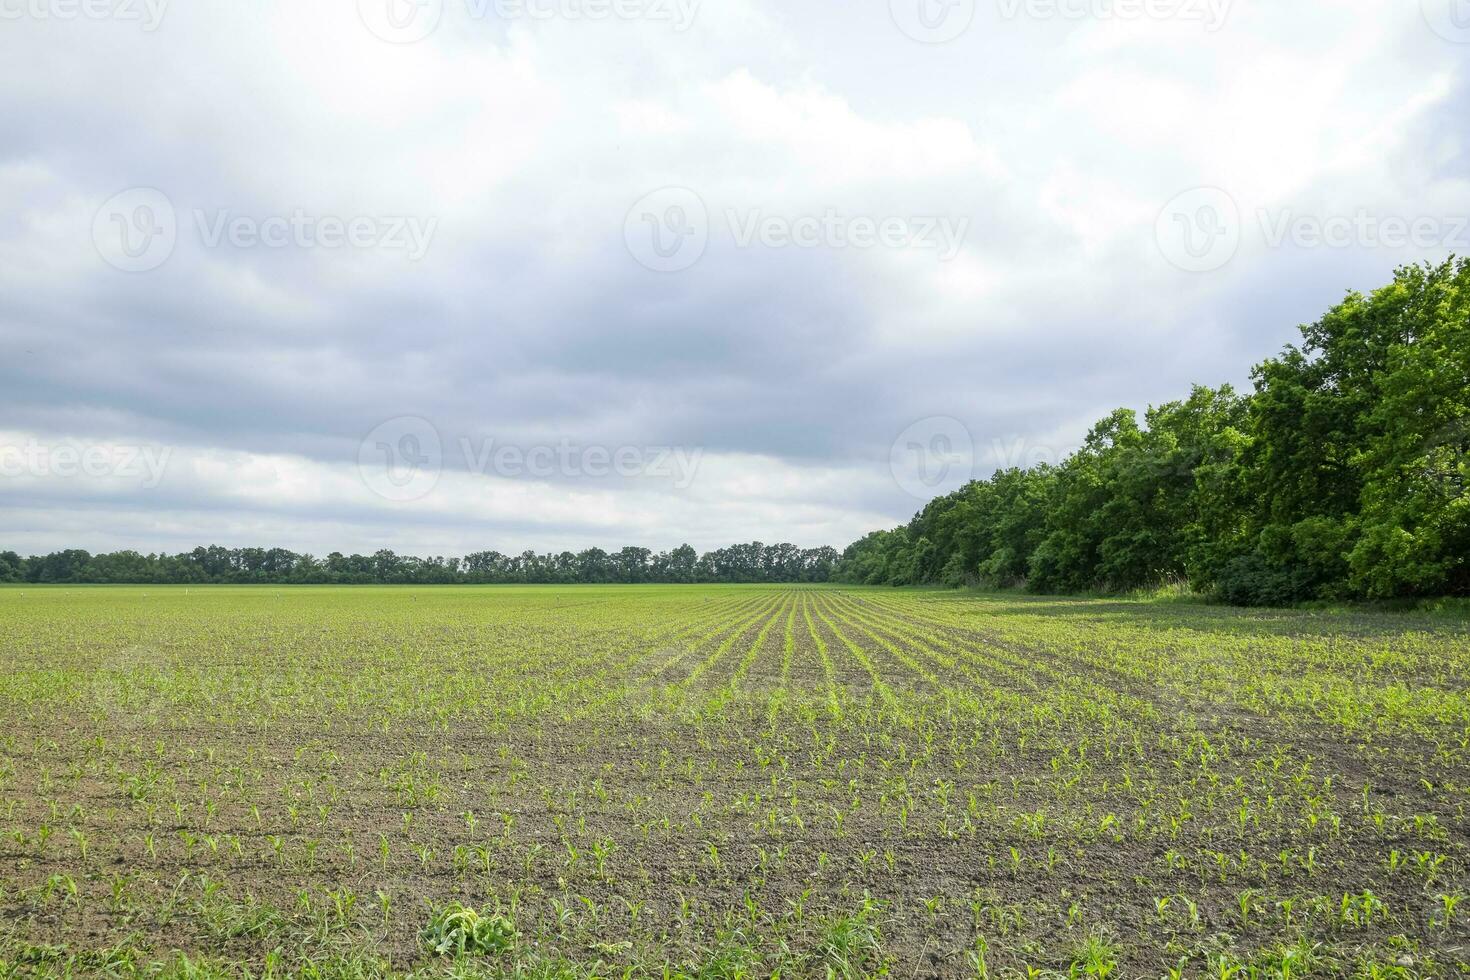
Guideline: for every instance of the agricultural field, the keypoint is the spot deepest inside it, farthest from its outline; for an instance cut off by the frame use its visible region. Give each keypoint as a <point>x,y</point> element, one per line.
<point>726,781</point>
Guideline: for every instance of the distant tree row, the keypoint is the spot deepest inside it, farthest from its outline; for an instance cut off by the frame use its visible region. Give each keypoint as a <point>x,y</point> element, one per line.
<point>753,562</point>
<point>1345,474</point>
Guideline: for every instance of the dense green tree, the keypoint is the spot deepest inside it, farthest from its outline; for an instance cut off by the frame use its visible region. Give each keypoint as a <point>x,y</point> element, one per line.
<point>1344,473</point>
<point>1413,522</point>
<point>1358,452</point>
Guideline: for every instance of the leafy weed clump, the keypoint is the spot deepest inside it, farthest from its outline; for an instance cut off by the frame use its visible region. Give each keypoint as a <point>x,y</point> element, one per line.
<point>455,930</point>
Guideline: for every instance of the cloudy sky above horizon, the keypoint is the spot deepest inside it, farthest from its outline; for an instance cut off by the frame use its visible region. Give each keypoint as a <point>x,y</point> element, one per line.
<point>444,275</point>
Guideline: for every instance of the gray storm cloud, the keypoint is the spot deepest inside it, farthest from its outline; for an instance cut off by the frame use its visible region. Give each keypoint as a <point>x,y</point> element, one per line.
<point>253,235</point>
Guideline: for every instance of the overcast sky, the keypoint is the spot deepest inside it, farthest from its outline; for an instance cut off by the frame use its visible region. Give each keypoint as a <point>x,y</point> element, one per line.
<point>463,274</point>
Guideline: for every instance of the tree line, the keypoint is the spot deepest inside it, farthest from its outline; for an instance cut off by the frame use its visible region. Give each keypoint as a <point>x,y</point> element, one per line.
<point>1344,474</point>
<point>754,562</point>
